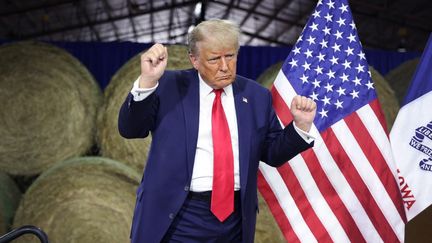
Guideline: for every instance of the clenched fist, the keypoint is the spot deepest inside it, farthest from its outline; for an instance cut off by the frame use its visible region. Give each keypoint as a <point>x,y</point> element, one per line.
<point>303,110</point>
<point>153,64</point>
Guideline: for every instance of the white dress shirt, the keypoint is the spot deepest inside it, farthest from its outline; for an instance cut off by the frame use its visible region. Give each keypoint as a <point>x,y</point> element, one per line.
<point>202,175</point>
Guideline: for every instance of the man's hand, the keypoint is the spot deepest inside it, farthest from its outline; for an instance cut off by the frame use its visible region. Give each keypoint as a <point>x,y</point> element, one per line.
<point>303,110</point>
<point>153,64</point>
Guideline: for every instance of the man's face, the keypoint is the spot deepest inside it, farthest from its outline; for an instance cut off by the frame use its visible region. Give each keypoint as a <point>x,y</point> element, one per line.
<point>217,65</point>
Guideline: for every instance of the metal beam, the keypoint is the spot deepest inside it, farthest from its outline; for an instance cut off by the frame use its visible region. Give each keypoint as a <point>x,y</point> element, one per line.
<point>42,6</point>
<point>171,20</point>
<point>98,22</point>
<point>262,14</point>
<point>275,13</point>
<point>250,12</point>
<point>229,7</point>
<point>108,10</point>
<point>269,40</point>
<point>389,15</point>
<point>160,29</point>
<point>83,12</point>
<point>151,21</point>
<point>26,14</point>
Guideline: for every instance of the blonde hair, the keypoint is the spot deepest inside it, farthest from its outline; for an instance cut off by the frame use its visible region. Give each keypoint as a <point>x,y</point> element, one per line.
<point>223,31</point>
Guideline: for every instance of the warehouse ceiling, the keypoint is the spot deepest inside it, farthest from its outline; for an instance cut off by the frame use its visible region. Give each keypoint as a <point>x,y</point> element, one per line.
<point>382,24</point>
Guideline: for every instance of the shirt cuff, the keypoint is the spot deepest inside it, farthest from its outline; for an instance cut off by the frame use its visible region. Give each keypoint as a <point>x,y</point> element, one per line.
<point>307,136</point>
<point>140,94</point>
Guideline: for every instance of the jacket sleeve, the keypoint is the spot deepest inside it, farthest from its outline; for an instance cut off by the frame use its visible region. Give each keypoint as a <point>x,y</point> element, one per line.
<point>137,118</point>
<point>281,145</point>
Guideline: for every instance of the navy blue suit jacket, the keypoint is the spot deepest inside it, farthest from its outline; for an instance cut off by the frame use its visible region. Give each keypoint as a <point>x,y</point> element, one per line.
<point>171,114</point>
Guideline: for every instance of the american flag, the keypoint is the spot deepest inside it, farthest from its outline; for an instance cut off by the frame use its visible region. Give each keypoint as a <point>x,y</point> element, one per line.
<point>345,188</point>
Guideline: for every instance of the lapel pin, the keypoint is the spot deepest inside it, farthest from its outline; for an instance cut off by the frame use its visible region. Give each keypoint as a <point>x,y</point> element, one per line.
<point>245,100</point>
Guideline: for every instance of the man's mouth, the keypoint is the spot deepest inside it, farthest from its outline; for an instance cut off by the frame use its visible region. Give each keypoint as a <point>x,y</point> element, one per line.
<point>224,78</point>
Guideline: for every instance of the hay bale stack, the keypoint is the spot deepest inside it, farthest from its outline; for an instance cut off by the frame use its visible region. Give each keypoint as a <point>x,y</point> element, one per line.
<point>130,151</point>
<point>85,199</point>
<point>385,93</point>
<point>267,230</point>
<point>10,196</point>
<point>48,108</point>
<point>269,75</point>
<point>400,77</point>
<point>386,97</point>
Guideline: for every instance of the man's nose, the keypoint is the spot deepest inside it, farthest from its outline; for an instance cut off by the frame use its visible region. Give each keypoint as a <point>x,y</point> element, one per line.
<point>223,65</point>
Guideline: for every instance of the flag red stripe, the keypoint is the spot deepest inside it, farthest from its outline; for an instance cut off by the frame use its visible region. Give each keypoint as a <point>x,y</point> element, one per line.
<point>358,186</point>
<point>291,181</point>
<point>323,183</point>
<point>376,159</point>
<point>376,107</point>
<point>303,204</point>
<point>281,108</point>
<point>276,210</point>
<point>332,198</point>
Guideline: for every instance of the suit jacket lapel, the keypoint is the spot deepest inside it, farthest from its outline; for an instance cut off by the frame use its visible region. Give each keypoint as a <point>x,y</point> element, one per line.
<point>190,101</point>
<point>243,111</point>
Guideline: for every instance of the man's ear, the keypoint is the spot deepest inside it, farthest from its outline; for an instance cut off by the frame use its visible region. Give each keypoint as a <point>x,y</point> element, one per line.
<point>194,60</point>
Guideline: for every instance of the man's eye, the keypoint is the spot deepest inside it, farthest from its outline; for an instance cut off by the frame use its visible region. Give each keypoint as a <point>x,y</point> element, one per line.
<point>229,57</point>
<point>213,60</point>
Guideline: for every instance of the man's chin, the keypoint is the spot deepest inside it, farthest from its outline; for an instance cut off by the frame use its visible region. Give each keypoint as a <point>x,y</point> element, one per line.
<point>222,83</point>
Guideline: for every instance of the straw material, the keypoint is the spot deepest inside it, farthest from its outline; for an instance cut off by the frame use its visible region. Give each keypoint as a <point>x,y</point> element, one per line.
<point>386,97</point>
<point>267,230</point>
<point>10,196</point>
<point>400,77</point>
<point>269,75</point>
<point>48,103</point>
<point>82,200</point>
<point>133,152</point>
<point>385,93</point>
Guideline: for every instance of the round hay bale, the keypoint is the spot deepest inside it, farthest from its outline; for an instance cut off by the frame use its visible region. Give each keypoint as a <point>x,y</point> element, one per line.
<point>84,199</point>
<point>385,93</point>
<point>10,196</point>
<point>269,75</point>
<point>386,97</point>
<point>400,77</point>
<point>267,230</point>
<point>133,152</point>
<point>48,108</point>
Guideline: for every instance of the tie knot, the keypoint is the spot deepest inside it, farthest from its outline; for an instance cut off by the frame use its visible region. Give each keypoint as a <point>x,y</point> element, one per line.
<point>218,92</point>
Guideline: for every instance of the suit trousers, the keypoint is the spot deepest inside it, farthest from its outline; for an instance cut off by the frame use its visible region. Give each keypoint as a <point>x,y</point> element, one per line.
<point>196,223</point>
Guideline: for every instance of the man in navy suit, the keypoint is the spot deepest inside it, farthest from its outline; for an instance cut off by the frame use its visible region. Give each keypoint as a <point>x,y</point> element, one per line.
<point>174,200</point>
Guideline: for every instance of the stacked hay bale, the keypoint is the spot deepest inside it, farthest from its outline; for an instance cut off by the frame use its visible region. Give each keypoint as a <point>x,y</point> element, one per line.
<point>267,230</point>
<point>269,75</point>
<point>48,108</point>
<point>400,77</point>
<point>10,196</point>
<point>85,199</point>
<point>385,93</point>
<point>386,97</point>
<point>133,152</point>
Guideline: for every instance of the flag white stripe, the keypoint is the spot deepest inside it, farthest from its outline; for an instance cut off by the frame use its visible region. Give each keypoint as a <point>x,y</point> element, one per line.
<point>370,178</point>
<point>287,93</point>
<point>379,136</point>
<point>284,88</point>
<point>287,203</point>
<point>346,194</point>
<point>317,201</point>
<point>332,171</point>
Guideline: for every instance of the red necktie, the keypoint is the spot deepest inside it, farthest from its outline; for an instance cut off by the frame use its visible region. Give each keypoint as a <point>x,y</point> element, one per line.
<point>222,201</point>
